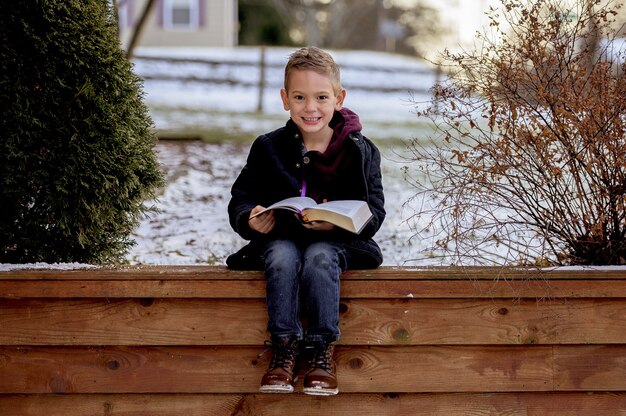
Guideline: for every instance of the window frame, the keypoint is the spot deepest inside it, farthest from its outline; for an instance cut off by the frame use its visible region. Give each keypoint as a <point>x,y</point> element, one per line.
<point>194,16</point>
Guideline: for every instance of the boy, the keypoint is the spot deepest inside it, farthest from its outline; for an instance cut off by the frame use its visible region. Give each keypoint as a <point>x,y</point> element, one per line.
<point>322,154</point>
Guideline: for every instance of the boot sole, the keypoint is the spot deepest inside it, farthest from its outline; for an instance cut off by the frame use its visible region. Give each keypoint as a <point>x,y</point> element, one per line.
<point>276,389</point>
<point>320,392</point>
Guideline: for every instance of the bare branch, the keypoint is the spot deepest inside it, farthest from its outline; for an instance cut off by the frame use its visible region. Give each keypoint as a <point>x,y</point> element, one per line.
<point>528,162</point>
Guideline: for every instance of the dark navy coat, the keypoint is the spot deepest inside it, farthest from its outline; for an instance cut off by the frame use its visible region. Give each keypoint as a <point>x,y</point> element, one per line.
<point>274,170</point>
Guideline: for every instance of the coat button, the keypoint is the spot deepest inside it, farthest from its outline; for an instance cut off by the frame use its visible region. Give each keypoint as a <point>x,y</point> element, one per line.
<point>297,166</point>
<point>297,136</point>
<point>306,160</point>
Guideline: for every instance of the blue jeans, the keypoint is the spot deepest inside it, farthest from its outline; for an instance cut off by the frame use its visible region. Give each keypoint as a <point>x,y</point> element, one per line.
<point>303,273</point>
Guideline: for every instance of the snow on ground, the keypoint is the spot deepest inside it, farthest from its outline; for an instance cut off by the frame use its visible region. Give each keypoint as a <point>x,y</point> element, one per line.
<point>45,266</point>
<point>192,225</point>
<point>173,102</point>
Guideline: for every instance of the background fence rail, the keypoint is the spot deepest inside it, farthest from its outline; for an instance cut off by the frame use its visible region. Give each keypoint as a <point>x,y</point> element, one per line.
<point>269,74</point>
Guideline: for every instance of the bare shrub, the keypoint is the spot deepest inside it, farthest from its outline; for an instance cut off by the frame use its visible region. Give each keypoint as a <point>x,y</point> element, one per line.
<point>528,161</point>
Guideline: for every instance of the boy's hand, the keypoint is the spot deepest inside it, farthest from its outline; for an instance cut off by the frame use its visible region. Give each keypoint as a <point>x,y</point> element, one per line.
<point>319,225</point>
<point>263,223</point>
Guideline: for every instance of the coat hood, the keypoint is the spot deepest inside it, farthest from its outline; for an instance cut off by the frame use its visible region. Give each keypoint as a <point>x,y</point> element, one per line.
<point>344,123</point>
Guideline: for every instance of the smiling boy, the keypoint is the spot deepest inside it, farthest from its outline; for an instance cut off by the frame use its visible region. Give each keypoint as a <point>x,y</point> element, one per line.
<point>319,153</point>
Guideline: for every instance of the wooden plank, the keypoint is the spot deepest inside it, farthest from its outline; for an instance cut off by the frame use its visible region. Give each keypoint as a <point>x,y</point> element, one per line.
<point>488,273</point>
<point>536,289</point>
<point>131,288</point>
<point>426,404</point>
<point>350,289</point>
<point>590,368</point>
<point>239,369</point>
<point>165,272</point>
<point>218,282</point>
<point>362,322</point>
<point>479,322</point>
<point>194,272</point>
<point>132,322</point>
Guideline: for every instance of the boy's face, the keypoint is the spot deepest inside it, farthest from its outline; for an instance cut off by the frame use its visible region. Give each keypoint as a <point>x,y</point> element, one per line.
<point>311,101</point>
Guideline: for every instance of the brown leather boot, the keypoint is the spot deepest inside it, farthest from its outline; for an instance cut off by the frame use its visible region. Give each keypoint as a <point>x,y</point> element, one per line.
<point>282,372</point>
<point>320,378</point>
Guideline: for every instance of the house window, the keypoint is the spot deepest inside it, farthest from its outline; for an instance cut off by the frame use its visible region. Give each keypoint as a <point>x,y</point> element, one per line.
<point>181,14</point>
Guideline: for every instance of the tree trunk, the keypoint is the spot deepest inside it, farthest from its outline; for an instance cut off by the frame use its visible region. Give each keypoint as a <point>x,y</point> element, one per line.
<point>138,29</point>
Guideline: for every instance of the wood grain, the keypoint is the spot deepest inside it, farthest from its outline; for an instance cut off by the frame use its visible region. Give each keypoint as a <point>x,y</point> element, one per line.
<point>239,369</point>
<point>168,287</point>
<point>362,322</point>
<point>422,404</point>
<point>172,340</point>
<point>199,272</point>
<point>385,282</point>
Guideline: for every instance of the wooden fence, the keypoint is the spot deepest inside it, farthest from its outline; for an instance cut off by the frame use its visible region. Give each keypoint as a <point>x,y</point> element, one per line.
<point>189,341</point>
<point>269,75</point>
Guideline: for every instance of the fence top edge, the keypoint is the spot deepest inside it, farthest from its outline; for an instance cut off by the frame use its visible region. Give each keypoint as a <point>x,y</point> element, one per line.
<point>208,272</point>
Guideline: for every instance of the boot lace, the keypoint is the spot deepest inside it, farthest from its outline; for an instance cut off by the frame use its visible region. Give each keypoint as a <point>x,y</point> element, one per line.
<point>283,355</point>
<point>321,357</point>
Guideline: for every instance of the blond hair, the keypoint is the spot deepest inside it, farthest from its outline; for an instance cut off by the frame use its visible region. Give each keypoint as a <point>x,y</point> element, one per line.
<point>314,59</point>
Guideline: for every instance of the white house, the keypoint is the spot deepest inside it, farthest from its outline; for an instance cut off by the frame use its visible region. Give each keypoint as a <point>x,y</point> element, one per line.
<point>211,23</point>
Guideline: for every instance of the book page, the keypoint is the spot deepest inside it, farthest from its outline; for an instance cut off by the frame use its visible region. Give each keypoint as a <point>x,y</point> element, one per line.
<point>350,215</point>
<point>347,208</point>
<point>296,204</point>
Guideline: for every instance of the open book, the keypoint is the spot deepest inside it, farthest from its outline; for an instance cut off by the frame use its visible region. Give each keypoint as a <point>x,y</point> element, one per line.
<point>351,215</point>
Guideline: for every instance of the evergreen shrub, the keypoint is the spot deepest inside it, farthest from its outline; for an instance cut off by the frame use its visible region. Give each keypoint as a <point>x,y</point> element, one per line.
<point>77,156</point>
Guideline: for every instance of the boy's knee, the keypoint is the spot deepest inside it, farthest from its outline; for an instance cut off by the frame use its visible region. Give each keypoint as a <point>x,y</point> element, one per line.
<point>281,265</point>
<point>282,256</point>
<point>322,261</point>
<point>322,256</point>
